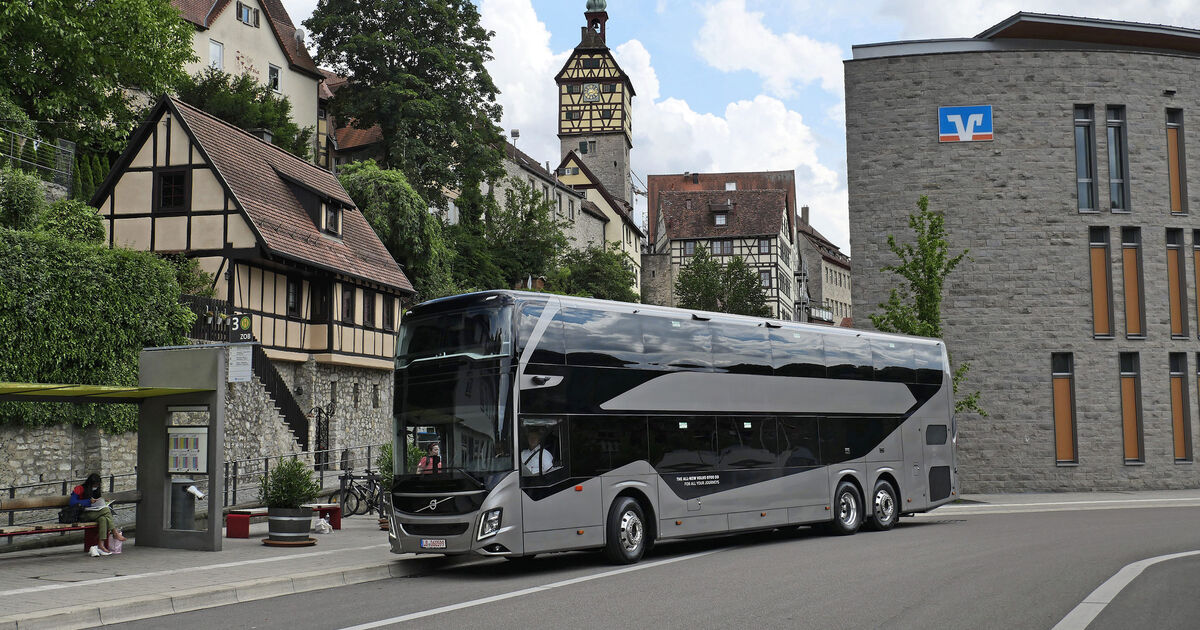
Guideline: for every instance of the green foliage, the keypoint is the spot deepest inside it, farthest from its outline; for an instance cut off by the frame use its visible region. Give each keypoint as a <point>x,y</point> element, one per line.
<point>385,464</point>
<point>602,273</point>
<point>191,278</point>
<point>705,284</point>
<point>474,268</point>
<point>419,72</point>
<point>244,102</point>
<point>525,238</point>
<point>72,62</point>
<point>83,167</point>
<point>13,118</point>
<point>414,457</point>
<point>28,157</point>
<point>46,155</point>
<point>22,199</point>
<point>99,172</point>
<point>73,220</point>
<point>290,485</point>
<point>412,234</point>
<point>915,306</point>
<point>77,313</point>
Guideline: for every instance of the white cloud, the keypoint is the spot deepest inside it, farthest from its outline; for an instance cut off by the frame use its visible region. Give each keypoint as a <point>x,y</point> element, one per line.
<point>966,18</point>
<point>669,136</point>
<point>733,39</point>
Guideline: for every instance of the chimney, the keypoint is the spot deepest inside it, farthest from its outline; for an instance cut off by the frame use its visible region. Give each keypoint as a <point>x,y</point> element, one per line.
<point>262,134</point>
<point>804,215</point>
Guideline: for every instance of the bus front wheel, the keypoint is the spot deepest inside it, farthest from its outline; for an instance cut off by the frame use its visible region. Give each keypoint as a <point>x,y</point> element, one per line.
<point>847,510</point>
<point>886,507</point>
<point>626,535</point>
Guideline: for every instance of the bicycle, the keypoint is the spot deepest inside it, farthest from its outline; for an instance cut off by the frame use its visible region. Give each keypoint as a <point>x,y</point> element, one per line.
<point>359,498</point>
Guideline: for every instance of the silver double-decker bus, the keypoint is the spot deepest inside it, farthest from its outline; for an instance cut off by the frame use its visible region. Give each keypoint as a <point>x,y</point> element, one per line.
<point>548,423</point>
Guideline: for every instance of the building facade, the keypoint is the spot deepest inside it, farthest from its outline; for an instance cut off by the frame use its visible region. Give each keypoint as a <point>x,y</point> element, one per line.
<point>257,37</point>
<point>620,228</point>
<point>823,277</point>
<point>1063,172</point>
<point>752,224</point>
<point>286,248</point>
<point>584,221</point>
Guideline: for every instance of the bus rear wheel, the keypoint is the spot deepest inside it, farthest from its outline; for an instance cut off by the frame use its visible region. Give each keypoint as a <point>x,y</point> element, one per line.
<point>626,535</point>
<point>847,510</point>
<point>885,507</point>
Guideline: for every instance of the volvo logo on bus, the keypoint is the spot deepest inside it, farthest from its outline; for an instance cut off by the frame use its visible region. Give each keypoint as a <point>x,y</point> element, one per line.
<point>433,503</point>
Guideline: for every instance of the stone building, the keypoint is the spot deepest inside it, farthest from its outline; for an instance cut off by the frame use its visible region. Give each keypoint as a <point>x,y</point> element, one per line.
<point>1055,148</point>
<point>752,224</point>
<point>585,221</point>
<point>290,254</point>
<point>822,276</point>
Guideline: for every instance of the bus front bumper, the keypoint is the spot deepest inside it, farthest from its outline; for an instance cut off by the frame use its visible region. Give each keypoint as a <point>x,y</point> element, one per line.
<point>452,536</point>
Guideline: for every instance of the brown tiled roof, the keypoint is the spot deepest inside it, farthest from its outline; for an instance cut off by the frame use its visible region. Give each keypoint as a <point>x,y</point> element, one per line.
<point>689,214</point>
<point>828,250</point>
<point>353,138</point>
<point>748,180</point>
<point>258,174</point>
<point>203,12</point>
<point>593,210</point>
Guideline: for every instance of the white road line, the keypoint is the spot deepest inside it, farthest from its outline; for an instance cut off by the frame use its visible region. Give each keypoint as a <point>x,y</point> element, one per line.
<point>226,565</point>
<point>1092,605</point>
<point>526,591</point>
<point>983,506</point>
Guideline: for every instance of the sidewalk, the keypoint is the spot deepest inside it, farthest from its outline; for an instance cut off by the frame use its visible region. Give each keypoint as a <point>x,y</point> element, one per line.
<point>65,588</point>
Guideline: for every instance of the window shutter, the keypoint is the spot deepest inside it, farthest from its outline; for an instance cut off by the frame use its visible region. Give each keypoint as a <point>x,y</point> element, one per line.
<point>239,12</point>
<point>256,18</point>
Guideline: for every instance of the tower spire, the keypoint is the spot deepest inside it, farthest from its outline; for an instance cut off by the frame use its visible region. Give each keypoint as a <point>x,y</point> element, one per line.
<point>596,16</point>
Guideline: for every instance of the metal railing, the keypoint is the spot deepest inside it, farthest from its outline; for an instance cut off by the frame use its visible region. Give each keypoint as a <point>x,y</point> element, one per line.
<point>293,416</point>
<point>52,161</point>
<point>114,483</point>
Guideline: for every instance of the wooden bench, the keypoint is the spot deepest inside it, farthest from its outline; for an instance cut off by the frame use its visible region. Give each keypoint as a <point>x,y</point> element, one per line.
<point>237,522</point>
<point>90,532</point>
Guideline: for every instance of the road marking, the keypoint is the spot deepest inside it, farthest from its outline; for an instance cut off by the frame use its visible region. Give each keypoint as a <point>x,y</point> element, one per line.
<point>226,565</point>
<point>1005,505</point>
<point>526,591</point>
<point>1092,605</point>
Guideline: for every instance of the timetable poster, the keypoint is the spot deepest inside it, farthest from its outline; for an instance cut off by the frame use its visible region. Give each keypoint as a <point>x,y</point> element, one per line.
<point>187,449</point>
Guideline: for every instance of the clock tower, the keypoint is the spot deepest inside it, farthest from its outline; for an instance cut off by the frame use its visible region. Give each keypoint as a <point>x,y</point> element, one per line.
<point>595,99</point>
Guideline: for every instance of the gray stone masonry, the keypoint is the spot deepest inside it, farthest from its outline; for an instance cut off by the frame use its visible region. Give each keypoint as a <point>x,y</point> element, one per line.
<point>609,162</point>
<point>1025,293</point>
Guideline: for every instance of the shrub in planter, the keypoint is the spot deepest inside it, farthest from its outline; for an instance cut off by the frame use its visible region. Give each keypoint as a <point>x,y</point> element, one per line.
<point>283,491</point>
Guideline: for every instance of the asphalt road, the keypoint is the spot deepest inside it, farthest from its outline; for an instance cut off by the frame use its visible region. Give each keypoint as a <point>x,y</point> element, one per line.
<point>934,571</point>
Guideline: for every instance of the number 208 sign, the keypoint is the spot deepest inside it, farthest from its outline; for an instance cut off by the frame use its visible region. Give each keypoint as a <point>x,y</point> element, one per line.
<point>972,123</point>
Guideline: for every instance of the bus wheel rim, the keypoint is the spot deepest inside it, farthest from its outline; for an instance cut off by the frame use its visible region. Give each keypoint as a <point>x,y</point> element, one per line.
<point>847,511</point>
<point>631,531</point>
<point>884,506</point>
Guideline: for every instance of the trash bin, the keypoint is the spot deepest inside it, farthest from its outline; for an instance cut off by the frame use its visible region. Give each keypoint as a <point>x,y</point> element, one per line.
<point>183,504</point>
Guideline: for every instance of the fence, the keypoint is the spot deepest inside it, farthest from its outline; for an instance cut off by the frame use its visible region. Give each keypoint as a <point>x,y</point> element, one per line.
<point>242,483</point>
<point>53,162</point>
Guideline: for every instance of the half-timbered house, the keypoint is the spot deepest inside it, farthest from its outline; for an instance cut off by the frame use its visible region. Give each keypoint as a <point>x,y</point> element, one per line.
<point>620,228</point>
<point>285,245</point>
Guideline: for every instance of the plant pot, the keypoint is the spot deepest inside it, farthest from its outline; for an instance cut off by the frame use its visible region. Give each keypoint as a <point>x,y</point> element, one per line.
<point>289,525</point>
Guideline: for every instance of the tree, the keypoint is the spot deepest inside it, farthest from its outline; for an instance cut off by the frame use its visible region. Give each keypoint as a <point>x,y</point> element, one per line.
<point>604,273</point>
<point>704,284</point>
<point>417,70</point>
<point>915,306</point>
<point>72,63</point>
<point>73,220</point>
<point>403,222</point>
<point>22,199</point>
<point>524,236</point>
<point>245,103</point>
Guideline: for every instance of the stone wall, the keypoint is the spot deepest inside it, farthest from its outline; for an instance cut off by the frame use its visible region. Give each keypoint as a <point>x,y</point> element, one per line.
<point>31,455</point>
<point>369,421</point>
<point>658,279</point>
<point>1026,293</point>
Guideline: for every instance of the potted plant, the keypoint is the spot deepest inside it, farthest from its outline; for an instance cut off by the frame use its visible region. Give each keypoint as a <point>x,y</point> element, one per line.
<point>283,491</point>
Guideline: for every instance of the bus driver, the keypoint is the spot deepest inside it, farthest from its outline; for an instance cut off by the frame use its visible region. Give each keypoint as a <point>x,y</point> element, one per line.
<point>535,460</point>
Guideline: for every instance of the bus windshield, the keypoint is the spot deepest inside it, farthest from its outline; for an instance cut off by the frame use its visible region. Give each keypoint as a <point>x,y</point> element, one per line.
<point>453,393</point>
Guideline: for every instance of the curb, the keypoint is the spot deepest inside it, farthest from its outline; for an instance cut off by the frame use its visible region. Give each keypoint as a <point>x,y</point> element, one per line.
<point>149,606</point>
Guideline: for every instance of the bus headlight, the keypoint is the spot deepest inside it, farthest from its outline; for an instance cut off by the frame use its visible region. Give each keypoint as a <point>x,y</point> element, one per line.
<point>489,523</point>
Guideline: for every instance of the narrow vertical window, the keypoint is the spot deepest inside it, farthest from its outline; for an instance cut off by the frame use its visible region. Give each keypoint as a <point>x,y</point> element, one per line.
<point>1131,408</point>
<point>1131,269</point>
<point>1176,285</point>
<point>1176,164</point>
<point>1062,373</point>
<point>1181,420</point>
<point>1196,270</point>
<point>1101,282</point>
<point>1085,161</point>
<point>1118,162</point>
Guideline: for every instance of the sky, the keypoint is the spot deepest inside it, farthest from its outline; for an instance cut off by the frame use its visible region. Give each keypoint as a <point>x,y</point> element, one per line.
<point>738,85</point>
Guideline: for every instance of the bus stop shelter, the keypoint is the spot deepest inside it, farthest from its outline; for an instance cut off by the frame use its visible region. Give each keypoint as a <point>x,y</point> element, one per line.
<point>181,430</point>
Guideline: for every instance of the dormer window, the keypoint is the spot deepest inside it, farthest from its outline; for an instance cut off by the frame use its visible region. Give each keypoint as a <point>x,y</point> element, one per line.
<point>720,218</point>
<point>333,220</point>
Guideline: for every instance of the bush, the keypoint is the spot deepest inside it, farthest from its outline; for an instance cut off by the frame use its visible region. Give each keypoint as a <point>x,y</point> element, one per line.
<point>22,199</point>
<point>191,278</point>
<point>290,485</point>
<point>77,313</point>
<point>73,220</point>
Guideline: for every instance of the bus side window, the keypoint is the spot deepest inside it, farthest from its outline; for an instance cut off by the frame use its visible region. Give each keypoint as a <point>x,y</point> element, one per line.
<point>798,353</point>
<point>542,457</point>
<point>602,338</point>
<point>603,443</point>
<point>927,358</point>
<point>746,442</point>
<point>683,443</point>
<point>935,434</point>
<point>798,442</point>
<point>549,349</point>
<point>677,344</point>
<point>848,357</point>
<point>741,349</point>
<point>893,361</point>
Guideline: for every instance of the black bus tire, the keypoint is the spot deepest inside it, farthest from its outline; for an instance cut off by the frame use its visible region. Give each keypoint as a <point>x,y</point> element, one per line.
<point>885,507</point>
<point>626,532</point>
<point>847,511</point>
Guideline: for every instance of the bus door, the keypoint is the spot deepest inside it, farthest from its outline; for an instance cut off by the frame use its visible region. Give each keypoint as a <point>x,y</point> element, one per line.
<point>939,459</point>
<point>555,507</point>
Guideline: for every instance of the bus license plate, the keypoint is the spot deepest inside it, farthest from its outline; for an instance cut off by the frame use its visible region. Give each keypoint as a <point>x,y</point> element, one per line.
<point>433,543</point>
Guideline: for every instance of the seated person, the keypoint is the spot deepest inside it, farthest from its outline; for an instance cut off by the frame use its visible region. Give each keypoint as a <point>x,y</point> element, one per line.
<point>535,460</point>
<point>83,495</point>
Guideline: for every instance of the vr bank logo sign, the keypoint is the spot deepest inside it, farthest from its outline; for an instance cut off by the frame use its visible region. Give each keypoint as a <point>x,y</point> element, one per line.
<point>965,124</point>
